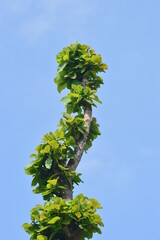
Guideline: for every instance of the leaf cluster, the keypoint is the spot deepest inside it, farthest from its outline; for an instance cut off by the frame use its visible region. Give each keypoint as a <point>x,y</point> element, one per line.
<point>76,61</point>
<point>72,125</point>
<point>49,221</point>
<point>78,97</point>
<point>49,169</point>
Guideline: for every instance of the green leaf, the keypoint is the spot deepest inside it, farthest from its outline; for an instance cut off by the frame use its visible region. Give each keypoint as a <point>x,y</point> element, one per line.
<point>78,214</point>
<point>42,237</point>
<point>97,99</point>
<point>61,86</point>
<point>65,100</point>
<point>71,46</point>
<point>98,220</point>
<point>46,193</point>
<point>62,66</point>
<point>97,59</point>
<point>53,143</point>
<point>59,133</point>
<point>42,216</point>
<point>46,149</point>
<point>90,102</point>
<point>26,226</point>
<point>92,51</point>
<point>62,187</point>
<point>95,203</point>
<point>33,156</point>
<point>54,220</point>
<point>77,88</point>
<point>48,163</point>
<point>74,76</point>
<point>70,108</point>
<point>104,66</point>
<point>53,181</point>
<point>83,70</point>
<point>35,215</point>
<point>65,57</point>
<point>63,168</point>
<point>80,226</point>
<point>72,216</point>
<point>76,82</point>
<point>74,95</point>
<point>29,165</point>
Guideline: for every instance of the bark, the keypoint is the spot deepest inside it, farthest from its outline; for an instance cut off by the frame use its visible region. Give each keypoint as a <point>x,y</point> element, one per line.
<point>72,234</point>
<point>67,193</point>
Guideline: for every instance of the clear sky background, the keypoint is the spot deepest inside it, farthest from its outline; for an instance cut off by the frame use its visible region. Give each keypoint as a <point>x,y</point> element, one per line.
<point>122,169</point>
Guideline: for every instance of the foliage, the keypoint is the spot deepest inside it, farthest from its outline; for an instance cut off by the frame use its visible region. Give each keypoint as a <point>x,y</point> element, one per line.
<point>50,169</point>
<point>75,61</point>
<point>48,221</point>
<point>78,97</point>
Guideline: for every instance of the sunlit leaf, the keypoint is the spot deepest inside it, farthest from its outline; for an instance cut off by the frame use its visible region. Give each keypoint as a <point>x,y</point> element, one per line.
<point>33,156</point>
<point>53,181</point>
<point>53,144</point>
<point>48,163</point>
<point>92,51</point>
<point>65,57</point>
<point>78,214</point>
<point>104,66</point>
<point>62,168</point>
<point>42,237</point>
<point>65,100</point>
<point>97,59</point>
<point>54,220</point>
<point>74,76</point>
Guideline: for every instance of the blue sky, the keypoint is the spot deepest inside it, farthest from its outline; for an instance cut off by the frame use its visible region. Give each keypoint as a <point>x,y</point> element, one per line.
<point>122,169</point>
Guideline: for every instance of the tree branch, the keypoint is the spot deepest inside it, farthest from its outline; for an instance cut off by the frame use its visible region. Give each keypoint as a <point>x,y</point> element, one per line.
<point>73,163</point>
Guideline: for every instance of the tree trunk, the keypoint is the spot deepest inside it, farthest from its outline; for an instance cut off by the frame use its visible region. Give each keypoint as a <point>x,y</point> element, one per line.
<point>67,193</point>
<point>72,234</point>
